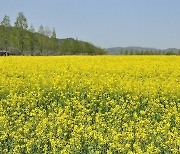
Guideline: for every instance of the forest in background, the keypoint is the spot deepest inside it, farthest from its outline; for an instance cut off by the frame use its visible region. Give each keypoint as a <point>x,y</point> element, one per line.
<point>21,39</point>
<point>141,51</point>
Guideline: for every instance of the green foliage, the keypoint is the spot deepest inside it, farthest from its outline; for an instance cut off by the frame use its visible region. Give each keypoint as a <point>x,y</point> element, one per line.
<point>20,32</point>
<point>21,21</point>
<point>41,42</point>
<point>6,21</point>
<point>130,51</point>
<point>5,32</point>
<point>72,46</point>
<point>20,39</point>
<point>32,39</point>
<point>54,43</point>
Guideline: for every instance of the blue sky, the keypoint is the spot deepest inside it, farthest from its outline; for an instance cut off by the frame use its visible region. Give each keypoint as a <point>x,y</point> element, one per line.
<point>105,23</point>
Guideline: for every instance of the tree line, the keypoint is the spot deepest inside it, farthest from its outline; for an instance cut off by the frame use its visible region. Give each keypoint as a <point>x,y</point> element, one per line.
<point>149,52</point>
<point>24,40</point>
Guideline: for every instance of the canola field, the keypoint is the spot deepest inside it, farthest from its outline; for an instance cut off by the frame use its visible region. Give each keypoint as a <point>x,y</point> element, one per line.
<point>90,104</point>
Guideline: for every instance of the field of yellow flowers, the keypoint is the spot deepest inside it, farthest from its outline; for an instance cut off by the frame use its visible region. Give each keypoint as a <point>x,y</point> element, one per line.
<point>90,104</point>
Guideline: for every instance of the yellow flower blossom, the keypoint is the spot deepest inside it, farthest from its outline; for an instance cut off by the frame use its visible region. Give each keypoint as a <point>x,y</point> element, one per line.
<point>90,104</point>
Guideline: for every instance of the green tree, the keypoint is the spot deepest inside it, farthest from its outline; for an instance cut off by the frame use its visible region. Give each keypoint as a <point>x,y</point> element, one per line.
<point>47,41</point>
<point>65,47</point>
<point>53,34</point>
<point>54,42</point>
<point>47,32</point>
<point>159,52</point>
<point>32,39</point>
<point>137,52</point>
<point>5,33</point>
<point>6,21</point>
<point>126,52</point>
<point>147,52</point>
<point>131,52</point>
<point>121,52</point>
<point>41,41</point>
<point>21,26</point>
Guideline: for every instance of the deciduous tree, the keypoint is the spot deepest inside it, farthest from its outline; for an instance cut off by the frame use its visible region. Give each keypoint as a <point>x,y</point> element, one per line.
<point>21,26</point>
<point>32,39</point>
<point>5,33</point>
<point>54,42</point>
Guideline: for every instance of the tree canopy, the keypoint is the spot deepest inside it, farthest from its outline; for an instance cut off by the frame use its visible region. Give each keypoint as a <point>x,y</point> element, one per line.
<point>25,40</point>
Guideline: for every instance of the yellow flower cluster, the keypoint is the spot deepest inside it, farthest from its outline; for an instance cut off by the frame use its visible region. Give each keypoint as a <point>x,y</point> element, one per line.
<point>90,104</point>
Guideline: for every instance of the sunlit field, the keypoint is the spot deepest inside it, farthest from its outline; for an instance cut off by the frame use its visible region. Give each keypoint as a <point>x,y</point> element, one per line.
<point>90,104</point>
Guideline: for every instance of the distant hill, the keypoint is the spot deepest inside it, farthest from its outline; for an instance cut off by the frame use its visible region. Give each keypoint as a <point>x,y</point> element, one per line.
<point>140,50</point>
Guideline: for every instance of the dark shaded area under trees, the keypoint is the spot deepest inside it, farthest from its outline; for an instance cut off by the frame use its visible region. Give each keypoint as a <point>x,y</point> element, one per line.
<point>21,40</point>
